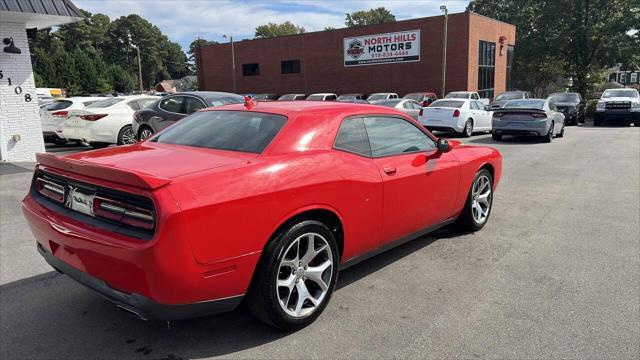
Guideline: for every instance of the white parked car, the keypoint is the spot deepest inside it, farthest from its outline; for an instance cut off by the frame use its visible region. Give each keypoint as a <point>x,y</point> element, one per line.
<point>462,116</point>
<point>471,95</point>
<point>106,122</point>
<point>382,96</point>
<point>52,116</point>
<point>322,97</point>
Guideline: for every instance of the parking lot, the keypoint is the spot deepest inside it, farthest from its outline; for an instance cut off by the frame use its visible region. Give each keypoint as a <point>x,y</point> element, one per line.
<point>555,273</point>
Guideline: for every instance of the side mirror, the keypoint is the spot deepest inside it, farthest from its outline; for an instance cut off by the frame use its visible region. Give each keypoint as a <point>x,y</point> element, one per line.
<point>443,145</point>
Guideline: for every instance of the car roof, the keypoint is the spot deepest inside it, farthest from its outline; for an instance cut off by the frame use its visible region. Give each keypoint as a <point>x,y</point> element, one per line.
<point>208,94</point>
<point>383,93</point>
<point>322,94</point>
<point>291,108</point>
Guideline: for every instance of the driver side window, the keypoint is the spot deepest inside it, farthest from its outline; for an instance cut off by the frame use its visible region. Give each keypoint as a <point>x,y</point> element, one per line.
<point>390,136</point>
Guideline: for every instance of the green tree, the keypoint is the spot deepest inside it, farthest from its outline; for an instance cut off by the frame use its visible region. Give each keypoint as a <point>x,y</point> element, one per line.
<point>121,80</point>
<point>272,30</point>
<point>369,17</point>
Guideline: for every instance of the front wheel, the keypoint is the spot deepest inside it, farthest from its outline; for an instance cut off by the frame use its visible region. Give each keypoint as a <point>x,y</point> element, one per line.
<point>296,276</point>
<point>145,133</point>
<point>496,137</point>
<point>478,206</point>
<point>561,134</point>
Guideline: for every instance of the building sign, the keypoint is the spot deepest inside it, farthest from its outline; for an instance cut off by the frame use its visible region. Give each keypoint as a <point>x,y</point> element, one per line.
<point>387,48</point>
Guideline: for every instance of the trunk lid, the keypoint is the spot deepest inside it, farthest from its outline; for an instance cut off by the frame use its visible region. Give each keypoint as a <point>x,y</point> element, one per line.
<point>438,113</point>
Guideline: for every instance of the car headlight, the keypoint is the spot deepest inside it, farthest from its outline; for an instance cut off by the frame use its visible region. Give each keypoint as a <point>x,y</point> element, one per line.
<point>601,105</point>
<point>635,106</point>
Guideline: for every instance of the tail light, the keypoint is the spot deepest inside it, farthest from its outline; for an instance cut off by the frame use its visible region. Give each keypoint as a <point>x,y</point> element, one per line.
<point>539,116</point>
<point>498,114</point>
<point>122,212</point>
<point>456,113</point>
<point>92,117</point>
<point>60,113</point>
<point>421,112</point>
<point>50,189</point>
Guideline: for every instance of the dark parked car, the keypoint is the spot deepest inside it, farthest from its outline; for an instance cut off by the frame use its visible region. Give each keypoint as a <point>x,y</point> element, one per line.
<point>350,97</point>
<point>292,97</point>
<point>266,97</point>
<point>423,98</point>
<point>502,99</point>
<point>174,107</point>
<point>571,105</point>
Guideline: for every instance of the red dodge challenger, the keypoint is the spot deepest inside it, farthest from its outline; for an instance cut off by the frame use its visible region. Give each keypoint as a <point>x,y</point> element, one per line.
<point>257,201</point>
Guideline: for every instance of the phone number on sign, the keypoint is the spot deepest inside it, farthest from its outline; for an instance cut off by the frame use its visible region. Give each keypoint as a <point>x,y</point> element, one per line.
<point>389,54</point>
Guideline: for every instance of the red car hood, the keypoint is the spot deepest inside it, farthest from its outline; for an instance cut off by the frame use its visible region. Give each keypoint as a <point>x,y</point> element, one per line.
<point>148,165</point>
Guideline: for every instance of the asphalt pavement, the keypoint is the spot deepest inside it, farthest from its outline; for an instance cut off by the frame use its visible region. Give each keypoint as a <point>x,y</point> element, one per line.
<point>554,274</point>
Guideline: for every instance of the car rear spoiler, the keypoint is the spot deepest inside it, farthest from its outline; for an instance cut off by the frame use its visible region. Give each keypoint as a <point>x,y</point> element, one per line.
<point>124,177</point>
<point>516,111</point>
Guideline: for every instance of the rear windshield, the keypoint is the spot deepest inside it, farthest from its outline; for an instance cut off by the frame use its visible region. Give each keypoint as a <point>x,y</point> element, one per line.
<point>377,97</point>
<point>457,96</point>
<point>389,103</point>
<point>509,96</point>
<point>315,97</point>
<point>242,131</point>
<point>447,103</point>
<point>525,104</point>
<point>105,103</point>
<point>347,97</point>
<point>58,105</point>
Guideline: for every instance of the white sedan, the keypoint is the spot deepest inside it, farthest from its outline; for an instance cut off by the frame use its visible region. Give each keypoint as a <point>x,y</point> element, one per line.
<point>462,116</point>
<point>52,116</point>
<point>105,122</point>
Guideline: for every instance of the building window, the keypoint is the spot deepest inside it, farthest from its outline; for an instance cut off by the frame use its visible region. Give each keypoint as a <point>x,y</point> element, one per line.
<point>510,49</point>
<point>623,78</point>
<point>486,68</point>
<point>251,69</point>
<point>634,77</point>
<point>290,66</point>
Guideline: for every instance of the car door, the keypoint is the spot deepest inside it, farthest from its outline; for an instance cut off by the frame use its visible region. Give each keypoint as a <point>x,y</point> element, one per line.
<point>170,109</point>
<point>482,116</point>
<point>419,183</point>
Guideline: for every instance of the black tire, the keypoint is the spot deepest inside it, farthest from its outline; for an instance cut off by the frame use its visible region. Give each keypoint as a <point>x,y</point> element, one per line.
<point>142,130</point>
<point>468,128</point>
<point>262,297</point>
<point>99,145</point>
<point>597,122</point>
<point>466,219</point>
<point>121,135</point>
<point>549,137</point>
<point>496,137</point>
<point>562,132</point>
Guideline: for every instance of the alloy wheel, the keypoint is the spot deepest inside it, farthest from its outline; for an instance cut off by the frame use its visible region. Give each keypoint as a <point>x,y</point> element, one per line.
<point>481,197</point>
<point>304,275</point>
<point>145,134</point>
<point>469,128</point>
<point>128,137</point>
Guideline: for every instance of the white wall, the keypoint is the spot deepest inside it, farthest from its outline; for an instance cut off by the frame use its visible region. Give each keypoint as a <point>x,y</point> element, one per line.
<point>17,116</point>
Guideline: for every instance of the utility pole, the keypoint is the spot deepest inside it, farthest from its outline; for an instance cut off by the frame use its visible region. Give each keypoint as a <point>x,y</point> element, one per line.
<point>444,49</point>
<point>139,69</point>
<point>233,63</point>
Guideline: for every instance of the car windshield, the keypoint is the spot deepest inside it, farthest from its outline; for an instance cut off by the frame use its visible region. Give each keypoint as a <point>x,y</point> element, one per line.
<point>632,93</point>
<point>447,103</point>
<point>457,95</point>
<point>347,97</point>
<point>105,103</point>
<point>509,96</point>
<point>389,103</point>
<point>377,97</point>
<point>241,131</point>
<point>565,97</point>
<point>315,97</point>
<point>417,97</point>
<point>525,104</point>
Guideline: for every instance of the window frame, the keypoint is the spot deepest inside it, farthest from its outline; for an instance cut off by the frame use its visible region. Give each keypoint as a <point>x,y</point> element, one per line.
<point>181,104</point>
<point>257,73</point>
<point>291,65</point>
<point>352,117</point>
<point>486,68</point>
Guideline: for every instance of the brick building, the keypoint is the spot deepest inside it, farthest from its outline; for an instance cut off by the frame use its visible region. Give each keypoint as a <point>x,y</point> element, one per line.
<point>479,51</point>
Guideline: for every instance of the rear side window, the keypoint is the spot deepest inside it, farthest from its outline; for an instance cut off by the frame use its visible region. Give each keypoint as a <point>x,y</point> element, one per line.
<point>58,105</point>
<point>352,137</point>
<point>105,103</point>
<point>241,131</point>
<point>133,105</point>
<point>172,104</point>
<point>145,103</point>
<point>393,136</point>
<point>192,105</point>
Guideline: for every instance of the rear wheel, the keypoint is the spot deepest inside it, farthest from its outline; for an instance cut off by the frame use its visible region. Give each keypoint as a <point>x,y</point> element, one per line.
<point>547,138</point>
<point>126,136</point>
<point>562,131</point>
<point>496,137</point>
<point>468,128</point>
<point>478,206</point>
<point>295,277</point>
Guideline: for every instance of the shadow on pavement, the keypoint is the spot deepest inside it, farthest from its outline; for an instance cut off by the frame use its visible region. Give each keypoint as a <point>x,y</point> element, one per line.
<point>50,316</point>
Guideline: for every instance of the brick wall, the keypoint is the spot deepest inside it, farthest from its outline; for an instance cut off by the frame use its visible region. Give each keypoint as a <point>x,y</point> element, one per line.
<point>17,116</point>
<point>322,69</point>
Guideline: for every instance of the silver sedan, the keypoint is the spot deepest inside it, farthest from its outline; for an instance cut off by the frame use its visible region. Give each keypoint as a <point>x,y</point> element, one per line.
<point>407,106</point>
<point>528,117</point>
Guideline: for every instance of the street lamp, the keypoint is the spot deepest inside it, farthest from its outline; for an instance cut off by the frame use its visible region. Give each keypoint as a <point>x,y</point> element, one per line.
<point>233,62</point>
<point>444,48</point>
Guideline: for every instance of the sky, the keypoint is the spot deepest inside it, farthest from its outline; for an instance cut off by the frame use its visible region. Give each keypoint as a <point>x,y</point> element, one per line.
<point>185,20</point>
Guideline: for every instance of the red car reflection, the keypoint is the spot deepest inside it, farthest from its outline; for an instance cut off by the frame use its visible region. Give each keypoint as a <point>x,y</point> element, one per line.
<point>263,201</point>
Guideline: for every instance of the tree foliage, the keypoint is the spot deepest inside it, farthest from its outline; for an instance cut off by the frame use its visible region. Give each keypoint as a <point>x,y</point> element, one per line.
<point>272,30</point>
<point>563,39</point>
<point>369,17</point>
<point>98,55</point>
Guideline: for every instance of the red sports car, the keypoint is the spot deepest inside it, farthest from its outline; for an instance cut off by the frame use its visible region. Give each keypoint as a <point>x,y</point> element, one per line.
<point>262,201</point>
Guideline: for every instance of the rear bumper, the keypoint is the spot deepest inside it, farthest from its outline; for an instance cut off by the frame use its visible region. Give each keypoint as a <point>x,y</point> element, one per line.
<point>443,125</point>
<point>141,306</point>
<point>521,128</point>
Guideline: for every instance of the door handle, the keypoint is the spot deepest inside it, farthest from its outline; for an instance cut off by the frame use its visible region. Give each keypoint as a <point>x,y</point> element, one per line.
<point>389,170</point>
